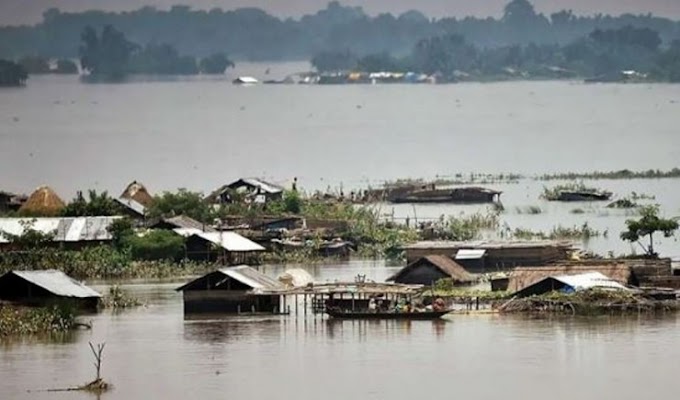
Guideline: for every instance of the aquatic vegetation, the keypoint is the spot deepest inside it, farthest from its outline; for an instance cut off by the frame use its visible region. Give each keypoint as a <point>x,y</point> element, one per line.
<point>469,227</point>
<point>623,203</point>
<point>531,210</point>
<point>621,174</point>
<point>117,298</point>
<point>15,320</point>
<point>583,232</point>
<point>578,211</point>
<point>555,192</point>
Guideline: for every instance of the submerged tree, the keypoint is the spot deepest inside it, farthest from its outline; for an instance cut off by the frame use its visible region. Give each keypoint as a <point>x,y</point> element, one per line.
<point>647,225</point>
<point>215,64</point>
<point>107,55</point>
<point>12,74</point>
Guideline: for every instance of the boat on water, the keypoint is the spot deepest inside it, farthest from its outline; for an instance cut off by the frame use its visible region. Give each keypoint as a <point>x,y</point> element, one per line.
<point>374,315</point>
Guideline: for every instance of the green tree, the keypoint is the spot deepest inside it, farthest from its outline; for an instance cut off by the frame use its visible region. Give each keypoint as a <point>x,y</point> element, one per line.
<point>215,64</point>
<point>162,59</point>
<point>156,245</point>
<point>334,61</point>
<point>121,231</point>
<point>35,64</point>
<point>183,202</point>
<point>66,67</point>
<point>96,205</point>
<point>648,224</point>
<point>107,55</point>
<point>445,55</point>
<point>12,74</point>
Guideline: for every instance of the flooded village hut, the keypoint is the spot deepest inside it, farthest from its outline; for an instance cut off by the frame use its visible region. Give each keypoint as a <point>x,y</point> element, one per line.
<point>523,277</point>
<point>252,189</point>
<point>67,232</point>
<point>44,202</point>
<point>232,290</point>
<point>429,269</point>
<point>570,284</point>
<point>40,288</point>
<point>230,248</point>
<point>499,255</point>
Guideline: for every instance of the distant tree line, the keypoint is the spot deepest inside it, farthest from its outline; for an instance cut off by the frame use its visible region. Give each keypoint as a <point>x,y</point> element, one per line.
<point>602,53</point>
<point>251,33</point>
<point>111,55</point>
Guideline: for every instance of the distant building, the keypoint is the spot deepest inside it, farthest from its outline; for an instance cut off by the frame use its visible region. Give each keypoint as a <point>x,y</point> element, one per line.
<point>39,288</point>
<point>428,270</point>
<point>68,232</point>
<point>231,290</point>
<point>180,222</point>
<point>135,200</point>
<point>523,277</point>
<point>246,189</point>
<point>228,248</point>
<point>570,284</point>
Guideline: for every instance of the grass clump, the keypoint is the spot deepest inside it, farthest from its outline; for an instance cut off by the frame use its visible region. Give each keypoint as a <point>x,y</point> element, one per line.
<point>583,232</point>
<point>117,298</point>
<point>555,192</point>
<point>531,210</point>
<point>15,320</point>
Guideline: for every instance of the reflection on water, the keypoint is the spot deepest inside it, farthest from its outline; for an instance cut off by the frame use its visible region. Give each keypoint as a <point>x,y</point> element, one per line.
<point>157,352</point>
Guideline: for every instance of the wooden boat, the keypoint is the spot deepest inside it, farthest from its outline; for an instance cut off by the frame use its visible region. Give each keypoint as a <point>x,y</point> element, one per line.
<point>365,314</point>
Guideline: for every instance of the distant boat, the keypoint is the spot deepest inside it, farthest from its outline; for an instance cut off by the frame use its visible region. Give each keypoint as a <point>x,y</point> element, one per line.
<point>245,80</point>
<point>583,196</point>
<point>466,195</point>
<point>348,314</point>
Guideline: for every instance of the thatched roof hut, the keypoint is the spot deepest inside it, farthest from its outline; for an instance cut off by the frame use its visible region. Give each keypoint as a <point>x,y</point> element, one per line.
<point>522,277</point>
<point>137,192</point>
<point>43,202</point>
<point>429,269</point>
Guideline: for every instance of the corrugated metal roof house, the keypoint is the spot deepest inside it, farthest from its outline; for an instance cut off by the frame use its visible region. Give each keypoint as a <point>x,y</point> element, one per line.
<point>231,290</point>
<point>43,287</point>
<point>72,231</point>
<point>211,246</point>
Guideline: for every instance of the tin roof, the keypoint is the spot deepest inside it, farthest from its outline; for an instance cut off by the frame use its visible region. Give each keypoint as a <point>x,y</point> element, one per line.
<point>243,273</point>
<point>132,204</point>
<point>258,183</point>
<point>56,282</point>
<point>470,254</point>
<point>589,280</point>
<point>67,229</point>
<point>230,241</point>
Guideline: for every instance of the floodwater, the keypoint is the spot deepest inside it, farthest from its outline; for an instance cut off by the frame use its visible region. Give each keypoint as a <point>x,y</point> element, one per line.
<point>154,352</point>
<point>200,133</point>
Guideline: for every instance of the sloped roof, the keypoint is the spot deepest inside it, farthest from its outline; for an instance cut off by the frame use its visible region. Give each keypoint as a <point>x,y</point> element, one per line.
<point>183,221</point>
<point>444,264</point>
<point>243,273</point>
<point>67,229</point>
<point>522,277</point>
<point>133,205</point>
<point>137,192</point>
<point>579,282</point>
<point>230,241</point>
<point>44,201</point>
<point>296,277</point>
<point>55,282</point>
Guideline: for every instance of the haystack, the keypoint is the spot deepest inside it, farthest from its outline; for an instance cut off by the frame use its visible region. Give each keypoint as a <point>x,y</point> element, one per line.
<point>137,192</point>
<point>43,202</point>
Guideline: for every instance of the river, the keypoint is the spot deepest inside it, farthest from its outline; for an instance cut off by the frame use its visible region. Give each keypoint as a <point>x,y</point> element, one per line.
<point>200,133</point>
<point>154,352</point>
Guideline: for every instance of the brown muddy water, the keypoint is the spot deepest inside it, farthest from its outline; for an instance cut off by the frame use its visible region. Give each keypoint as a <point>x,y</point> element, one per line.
<point>155,352</point>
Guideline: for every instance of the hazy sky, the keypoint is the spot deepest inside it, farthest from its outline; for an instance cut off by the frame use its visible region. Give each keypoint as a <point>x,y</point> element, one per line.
<point>13,12</point>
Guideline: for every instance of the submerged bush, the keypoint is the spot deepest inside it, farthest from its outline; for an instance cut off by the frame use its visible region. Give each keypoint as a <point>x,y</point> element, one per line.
<point>22,320</point>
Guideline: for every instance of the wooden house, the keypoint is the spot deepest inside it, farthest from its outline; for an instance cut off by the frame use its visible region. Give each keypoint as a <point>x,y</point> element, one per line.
<point>232,290</point>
